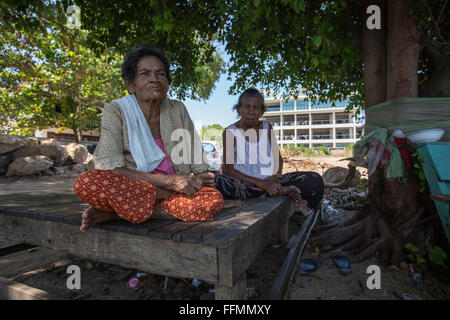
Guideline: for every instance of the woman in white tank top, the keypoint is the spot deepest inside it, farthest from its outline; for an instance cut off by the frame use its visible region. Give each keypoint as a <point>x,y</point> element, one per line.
<point>252,164</point>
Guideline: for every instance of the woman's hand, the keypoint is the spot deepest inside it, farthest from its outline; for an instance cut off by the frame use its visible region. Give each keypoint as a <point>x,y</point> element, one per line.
<point>271,188</point>
<point>208,179</point>
<point>274,178</point>
<point>184,184</point>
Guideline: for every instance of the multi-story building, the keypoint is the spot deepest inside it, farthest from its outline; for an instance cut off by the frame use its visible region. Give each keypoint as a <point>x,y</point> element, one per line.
<point>311,124</point>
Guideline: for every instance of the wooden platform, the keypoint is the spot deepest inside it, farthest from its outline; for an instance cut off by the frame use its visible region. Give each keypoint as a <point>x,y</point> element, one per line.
<point>218,252</point>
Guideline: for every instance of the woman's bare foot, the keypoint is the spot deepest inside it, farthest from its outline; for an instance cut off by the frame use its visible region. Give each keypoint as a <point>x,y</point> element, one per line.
<point>232,203</point>
<point>293,192</point>
<point>92,215</point>
<point>302,206</point>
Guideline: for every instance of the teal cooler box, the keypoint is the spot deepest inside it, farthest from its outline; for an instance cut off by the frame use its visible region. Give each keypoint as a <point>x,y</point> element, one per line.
<point>436,166</point>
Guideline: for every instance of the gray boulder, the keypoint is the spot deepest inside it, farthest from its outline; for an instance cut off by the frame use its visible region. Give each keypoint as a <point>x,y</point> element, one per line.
<point>55,152</point>
<point>76,153</point>
<point>10,143</point>
<point>49,141</point>
<point>28,150</point>
<point>29,165</point>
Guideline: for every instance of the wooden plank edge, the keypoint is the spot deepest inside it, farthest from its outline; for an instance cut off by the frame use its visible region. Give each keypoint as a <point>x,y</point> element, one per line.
<point>15,248</point>
<point>12,290</point>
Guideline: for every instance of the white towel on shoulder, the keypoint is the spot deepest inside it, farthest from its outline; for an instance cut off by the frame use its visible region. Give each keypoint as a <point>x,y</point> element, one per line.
<point>146,153</point>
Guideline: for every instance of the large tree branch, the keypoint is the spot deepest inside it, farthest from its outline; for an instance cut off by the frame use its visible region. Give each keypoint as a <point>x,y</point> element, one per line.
<point>436,23</point>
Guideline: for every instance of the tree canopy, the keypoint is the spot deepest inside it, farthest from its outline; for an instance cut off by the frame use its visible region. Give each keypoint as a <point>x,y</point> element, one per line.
<point>281,46</point>
<point>50,77</point>
<point>57,76</point>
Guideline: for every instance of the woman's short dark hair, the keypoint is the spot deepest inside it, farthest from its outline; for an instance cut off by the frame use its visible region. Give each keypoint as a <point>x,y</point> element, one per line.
<point>250,92</point>
<point>129,66</point>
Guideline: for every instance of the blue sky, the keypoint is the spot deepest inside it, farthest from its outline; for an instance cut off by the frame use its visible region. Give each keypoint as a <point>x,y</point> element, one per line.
<point>217,109</point>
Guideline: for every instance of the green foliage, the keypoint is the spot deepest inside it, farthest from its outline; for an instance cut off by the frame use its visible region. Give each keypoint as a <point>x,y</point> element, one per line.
<point>434,254</point>
<point>418,171</point>
<point>49,77</point>
<point>322,150</point>
<point>285,45</point>
<point>349,148</point>
<point>184,30</point>
<point>212,132</point>
<point>306,151</point>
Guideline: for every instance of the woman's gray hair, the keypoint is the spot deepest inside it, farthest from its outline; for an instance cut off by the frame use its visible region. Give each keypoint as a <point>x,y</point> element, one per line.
<point>250,92</point>
<point>129,66</point>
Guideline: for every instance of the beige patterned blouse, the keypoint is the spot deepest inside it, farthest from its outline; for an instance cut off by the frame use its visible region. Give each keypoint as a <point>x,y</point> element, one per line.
<point>113,149</point>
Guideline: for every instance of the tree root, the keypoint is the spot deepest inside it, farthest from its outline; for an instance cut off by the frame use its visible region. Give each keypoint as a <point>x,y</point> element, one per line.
<point>376,228</point>
<point>359,239</point>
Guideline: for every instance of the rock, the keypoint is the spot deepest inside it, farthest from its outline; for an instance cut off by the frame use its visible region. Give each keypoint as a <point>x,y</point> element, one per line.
<point>90,162</point>
<point>27,151</point>
<point>58,170</point>
<point>76,152</point>
<point>5,160</point>
<point>10,143</point>
<point>338,174</point>
<point>32,140</point>
<point>78,168</point>
<point>29,165</point>
<point>49,172</point>
<point>55,152</point>
<point>49,141</point>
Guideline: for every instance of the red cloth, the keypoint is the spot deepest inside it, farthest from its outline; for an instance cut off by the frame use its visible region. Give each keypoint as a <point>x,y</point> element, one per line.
<point>406,156</point>
<point>133,200</point>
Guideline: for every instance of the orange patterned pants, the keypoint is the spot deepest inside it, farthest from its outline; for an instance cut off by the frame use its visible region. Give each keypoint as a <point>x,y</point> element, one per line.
<point>133,200</point>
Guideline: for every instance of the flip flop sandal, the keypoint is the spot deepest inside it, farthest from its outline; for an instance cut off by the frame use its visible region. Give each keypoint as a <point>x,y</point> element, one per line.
<point>342,263</point>
<point>307,266</point>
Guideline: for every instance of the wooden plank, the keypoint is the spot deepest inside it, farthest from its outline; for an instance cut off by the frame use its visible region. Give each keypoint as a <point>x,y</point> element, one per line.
<point>236,292</point>
<point>17,263</point>
<point>221,220</point>
<point>125,226</point>
<point>15,248</point>
<point>127,250</point>
<point>169,231</point>
<point>224,235</point>
<point>249,241</point>
<point>11,290</point>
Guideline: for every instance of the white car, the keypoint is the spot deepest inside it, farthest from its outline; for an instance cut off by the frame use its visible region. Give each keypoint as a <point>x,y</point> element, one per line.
<point>213,154</point>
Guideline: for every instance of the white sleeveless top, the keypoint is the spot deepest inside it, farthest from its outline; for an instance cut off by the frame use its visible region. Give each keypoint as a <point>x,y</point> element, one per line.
<point>253,158</point>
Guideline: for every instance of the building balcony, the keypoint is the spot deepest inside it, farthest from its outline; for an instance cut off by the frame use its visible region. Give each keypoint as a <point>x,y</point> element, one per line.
<point>343,121</point>
<point>319,122</point>
<point>344,136</point>
<point>321,136</point>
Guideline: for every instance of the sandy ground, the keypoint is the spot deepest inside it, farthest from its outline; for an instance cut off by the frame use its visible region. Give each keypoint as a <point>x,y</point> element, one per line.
<point>103,281</point>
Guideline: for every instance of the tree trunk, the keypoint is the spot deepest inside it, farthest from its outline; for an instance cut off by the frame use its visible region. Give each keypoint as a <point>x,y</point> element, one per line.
<point>373,45</point>
<point>390,57</point>
<point>402,51</point>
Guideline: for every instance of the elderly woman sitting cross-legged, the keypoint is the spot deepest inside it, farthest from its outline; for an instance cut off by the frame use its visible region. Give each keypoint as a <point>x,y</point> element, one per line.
<point>136,173</point>
<point>252,162</point>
